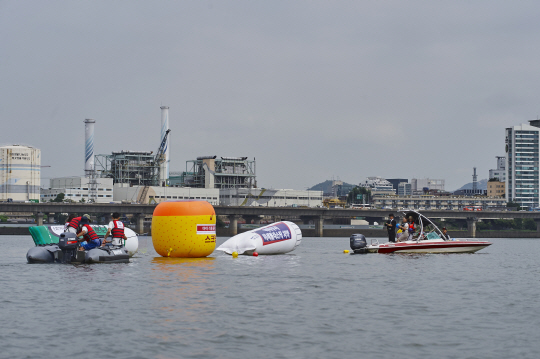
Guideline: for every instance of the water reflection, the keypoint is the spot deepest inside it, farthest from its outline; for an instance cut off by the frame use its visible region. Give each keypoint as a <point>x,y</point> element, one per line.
<point>183,289</point>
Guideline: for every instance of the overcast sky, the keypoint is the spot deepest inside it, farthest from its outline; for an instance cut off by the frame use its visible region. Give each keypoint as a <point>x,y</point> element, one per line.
<point>312,89</point>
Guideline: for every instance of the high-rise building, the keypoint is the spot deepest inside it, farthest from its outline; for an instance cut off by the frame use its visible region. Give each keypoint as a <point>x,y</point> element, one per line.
<point>522,175</point>
<point>500,172</point>
<point>404,189</point>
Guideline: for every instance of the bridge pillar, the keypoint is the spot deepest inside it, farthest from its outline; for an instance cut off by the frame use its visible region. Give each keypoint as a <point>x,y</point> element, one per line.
<point>471,226</point>
<point>139,224</point>
<point>233,225</point>
<point>50,218</point>
<point>319,222</point>
<point>39,218</point>
<point>537,221</point>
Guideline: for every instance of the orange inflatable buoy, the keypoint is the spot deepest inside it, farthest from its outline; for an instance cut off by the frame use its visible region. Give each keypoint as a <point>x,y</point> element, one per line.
<point>184,229</point>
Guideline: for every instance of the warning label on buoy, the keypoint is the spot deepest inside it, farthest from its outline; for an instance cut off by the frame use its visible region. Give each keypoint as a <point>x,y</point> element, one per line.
<point>206,229</point>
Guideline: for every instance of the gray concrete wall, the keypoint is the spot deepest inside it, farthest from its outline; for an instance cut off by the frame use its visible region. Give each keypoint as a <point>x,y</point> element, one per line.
<point>14,231</point>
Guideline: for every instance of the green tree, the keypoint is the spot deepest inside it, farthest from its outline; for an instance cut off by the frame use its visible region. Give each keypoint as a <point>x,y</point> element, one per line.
<point>59,197</point>
<point>82,200</point>
<point>529,224</point>
<point>219,222</point>
<point>3,218</point>
<point>352,196</point>
<point>513,205</point>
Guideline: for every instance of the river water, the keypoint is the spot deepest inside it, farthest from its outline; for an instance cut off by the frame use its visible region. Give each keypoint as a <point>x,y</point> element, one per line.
<point>313,303</point>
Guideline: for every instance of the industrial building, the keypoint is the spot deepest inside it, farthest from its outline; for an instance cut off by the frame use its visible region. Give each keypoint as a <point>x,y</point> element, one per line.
<point>270,197</point>
<point>429,202</point>
<point>78,189</point>
<point>20,173</point>
<point>129,167</point>
<point>522,174</point>
<point>138,168</point>
<point>213,172</point>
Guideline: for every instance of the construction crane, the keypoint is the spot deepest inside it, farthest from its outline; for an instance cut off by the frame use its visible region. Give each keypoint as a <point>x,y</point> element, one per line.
<point>159,158</point>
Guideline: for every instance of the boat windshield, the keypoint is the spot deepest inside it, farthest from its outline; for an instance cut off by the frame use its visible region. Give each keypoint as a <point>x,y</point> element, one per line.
<point>428,229</point>
<point>432,235</point>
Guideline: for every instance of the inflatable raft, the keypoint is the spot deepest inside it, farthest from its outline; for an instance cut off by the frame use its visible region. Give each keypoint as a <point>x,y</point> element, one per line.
<point>55,246</point>
<point>276,238</point>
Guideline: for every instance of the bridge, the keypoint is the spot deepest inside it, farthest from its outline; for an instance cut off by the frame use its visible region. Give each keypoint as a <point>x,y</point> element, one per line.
<point>307,215</point>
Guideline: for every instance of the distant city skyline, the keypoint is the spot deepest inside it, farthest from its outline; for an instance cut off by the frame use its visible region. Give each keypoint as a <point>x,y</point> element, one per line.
<point>310,89</point>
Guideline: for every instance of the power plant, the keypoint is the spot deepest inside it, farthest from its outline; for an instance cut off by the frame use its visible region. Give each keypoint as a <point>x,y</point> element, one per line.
<point>145,177</point>
<point>213,172</point>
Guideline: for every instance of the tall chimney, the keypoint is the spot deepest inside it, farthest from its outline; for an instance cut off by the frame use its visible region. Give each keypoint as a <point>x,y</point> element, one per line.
<point>164,172</point>
<point>474,181</point>
<point>89,146</point>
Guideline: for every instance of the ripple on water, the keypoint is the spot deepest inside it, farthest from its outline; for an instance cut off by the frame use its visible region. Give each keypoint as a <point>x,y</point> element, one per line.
<point>316,302</point>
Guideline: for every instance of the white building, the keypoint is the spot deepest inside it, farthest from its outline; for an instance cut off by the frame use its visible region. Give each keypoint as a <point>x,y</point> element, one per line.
<point>522,174</point>
<point>20,173</point>
<point>123,192</point>
<point>270,197</point>
<point>378,185</point>
<point>76,189</point>
<point>500,171</point>
<point>418,184</point>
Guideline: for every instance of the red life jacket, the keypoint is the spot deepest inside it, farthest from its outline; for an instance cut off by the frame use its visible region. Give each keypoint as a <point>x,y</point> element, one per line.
<point>411,227</point>
<point>118,230</point>
<point>90,235</point>
<point>74,222</point>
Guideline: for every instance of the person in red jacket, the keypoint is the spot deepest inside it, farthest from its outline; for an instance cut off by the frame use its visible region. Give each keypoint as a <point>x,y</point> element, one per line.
<point>116,228</point>
<point>72,224</point>
<point>89,236</point>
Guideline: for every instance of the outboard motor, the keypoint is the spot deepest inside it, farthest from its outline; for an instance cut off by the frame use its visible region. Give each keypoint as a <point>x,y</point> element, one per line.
<point>68,244</point>
<point>358,243</point>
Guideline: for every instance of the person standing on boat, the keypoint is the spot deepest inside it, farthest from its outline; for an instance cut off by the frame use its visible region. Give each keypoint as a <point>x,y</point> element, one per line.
<point>89,235</point>
<point>411,228</point>
<point>404,230</point>
<point>116,228</point>
<point>391,227</point>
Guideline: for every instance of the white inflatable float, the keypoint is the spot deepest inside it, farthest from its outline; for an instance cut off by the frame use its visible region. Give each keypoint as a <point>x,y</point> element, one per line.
<point>276,238</point>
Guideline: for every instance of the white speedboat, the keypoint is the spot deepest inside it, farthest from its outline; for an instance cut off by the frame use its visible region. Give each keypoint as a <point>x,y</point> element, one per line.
<point>429,239</point>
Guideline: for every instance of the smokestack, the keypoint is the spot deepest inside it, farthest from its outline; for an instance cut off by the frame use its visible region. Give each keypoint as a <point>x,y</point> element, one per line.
<point>474,180</point>
<point>164,172</point>
<point>89,146</point>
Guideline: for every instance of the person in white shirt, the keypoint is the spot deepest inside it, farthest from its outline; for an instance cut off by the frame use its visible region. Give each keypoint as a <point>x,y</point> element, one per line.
<point>116,229</point>
<point>404,235</point>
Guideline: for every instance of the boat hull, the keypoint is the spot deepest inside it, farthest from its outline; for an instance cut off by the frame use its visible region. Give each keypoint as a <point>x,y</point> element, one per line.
<point>430,247</point>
